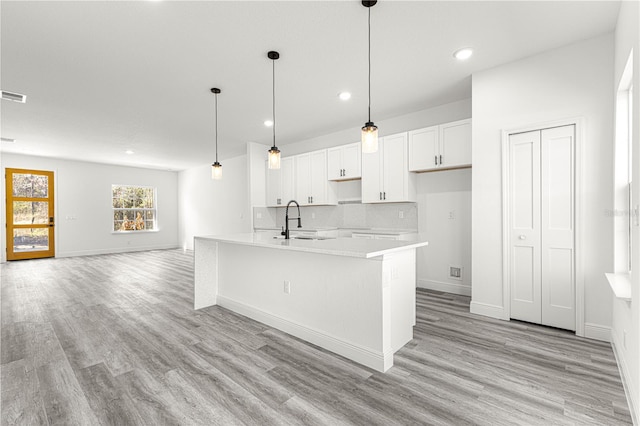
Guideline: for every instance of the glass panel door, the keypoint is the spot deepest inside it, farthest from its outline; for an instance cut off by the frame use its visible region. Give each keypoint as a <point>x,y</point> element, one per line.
<point>30,219</point>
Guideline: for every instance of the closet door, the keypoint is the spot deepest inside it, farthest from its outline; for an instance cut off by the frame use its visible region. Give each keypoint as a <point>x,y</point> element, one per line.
<point>558,277</point>
<point>525,268</point>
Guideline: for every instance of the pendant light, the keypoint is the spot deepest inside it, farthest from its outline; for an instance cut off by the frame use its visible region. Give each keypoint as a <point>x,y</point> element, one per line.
<point>274,152</point>
<point>369,130</point>
<point>216,168</point>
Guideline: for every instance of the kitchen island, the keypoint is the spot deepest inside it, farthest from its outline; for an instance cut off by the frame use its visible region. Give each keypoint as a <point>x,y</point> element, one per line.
<point>350,296</point>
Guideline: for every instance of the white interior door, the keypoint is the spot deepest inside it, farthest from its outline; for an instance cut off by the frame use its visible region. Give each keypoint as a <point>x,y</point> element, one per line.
<point>542,216</point>
<point>524,186</point>
<point>558,265</point>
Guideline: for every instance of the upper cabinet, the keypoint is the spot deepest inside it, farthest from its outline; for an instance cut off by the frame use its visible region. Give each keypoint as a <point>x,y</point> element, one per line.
<point>385,173</point>
<point>311,183</point>
<point>446,146</point>
<point>279,188</point>
<point>344,162</point>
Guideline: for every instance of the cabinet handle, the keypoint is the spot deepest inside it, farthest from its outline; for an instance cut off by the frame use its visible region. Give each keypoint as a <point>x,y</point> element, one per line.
<point>381,195</point>
<point>384,195</point>
<point>436,160</point>
<point>344,172</point>
<point>312,199</point>
<point>278,201</point>
<point>441,159</point>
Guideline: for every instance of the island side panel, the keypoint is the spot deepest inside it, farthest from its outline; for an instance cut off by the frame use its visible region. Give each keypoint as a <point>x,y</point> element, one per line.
<point>205,273</point>
<point>335,302</point>
<point>400,271</point>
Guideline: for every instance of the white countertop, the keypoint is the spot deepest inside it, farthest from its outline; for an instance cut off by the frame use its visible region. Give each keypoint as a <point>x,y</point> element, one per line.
<point>377,231</point>
<point>350,247</point>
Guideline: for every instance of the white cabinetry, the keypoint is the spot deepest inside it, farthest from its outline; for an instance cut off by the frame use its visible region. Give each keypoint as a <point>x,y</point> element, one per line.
<point>311,184</point>
<point>344,162</point>
<point>446,146</point>
<point>385,173</point>
<point>280,183</point>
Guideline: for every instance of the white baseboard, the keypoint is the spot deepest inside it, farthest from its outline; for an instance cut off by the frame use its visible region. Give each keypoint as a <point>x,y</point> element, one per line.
<point>461,289</point>
<point>597,332</point>
<point>377,360</point>
<point>627,383</point>
<point>114,250</point>
<point>493,311</point>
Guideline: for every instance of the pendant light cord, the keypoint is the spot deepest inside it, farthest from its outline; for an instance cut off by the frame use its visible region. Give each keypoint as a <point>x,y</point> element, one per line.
<point>216,127</point>
<point>369,9</point>
<point>274,100</point>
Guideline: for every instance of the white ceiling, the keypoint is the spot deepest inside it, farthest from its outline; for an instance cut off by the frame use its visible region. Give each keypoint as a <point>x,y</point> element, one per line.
<point>103,77</point>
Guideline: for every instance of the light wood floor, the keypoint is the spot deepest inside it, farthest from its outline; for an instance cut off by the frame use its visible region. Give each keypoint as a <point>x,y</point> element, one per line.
<point>114,340</point>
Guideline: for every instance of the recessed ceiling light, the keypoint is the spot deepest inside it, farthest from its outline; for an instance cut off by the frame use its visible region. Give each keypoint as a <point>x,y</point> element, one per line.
<point>129,152</point>
<point>463,54</point>
<point>345,96</point>
<point>268,123</point>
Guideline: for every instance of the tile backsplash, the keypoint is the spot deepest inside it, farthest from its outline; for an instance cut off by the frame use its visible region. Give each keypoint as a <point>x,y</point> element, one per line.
<point>347,215</point>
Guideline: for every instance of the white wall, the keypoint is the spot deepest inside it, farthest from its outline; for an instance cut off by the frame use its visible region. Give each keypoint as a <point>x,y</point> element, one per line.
<point>571,81</point>
<point>444,216</point>
<point>210,207</point>
<point>83,191</point>
<point>626,316</point>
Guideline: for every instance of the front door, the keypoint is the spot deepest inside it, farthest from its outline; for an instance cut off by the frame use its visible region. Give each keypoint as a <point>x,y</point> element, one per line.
<point>30,219</point>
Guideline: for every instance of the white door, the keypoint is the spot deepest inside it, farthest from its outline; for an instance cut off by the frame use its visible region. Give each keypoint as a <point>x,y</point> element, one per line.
<point>542,266</point>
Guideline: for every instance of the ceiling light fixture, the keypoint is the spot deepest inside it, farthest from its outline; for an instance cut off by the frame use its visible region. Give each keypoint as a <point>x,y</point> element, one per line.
<point>129,152</point>
<point>216,167</point>
<point>463,54</point>
<point>274,152</point>
<point>370,130</point>
<point>268,123</point>
<point>344,96</point>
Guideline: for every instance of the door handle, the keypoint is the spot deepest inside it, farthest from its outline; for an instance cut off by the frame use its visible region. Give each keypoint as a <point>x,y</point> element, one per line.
<point>522,237</point>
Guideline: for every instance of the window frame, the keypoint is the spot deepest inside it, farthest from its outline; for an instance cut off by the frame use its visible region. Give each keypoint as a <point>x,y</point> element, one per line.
<point>153,209</point>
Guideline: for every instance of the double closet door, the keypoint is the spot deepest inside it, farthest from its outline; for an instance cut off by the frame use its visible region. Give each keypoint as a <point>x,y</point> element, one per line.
<point>542,226</point>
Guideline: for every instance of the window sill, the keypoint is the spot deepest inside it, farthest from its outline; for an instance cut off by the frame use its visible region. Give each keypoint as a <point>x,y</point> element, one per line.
<point>621,285</point>
<point>134,232</point>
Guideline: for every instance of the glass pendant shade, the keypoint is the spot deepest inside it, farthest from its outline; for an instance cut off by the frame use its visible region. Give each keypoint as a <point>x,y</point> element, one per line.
<point>369,138</point>
<point>274,158</point>
<point>216,171</point>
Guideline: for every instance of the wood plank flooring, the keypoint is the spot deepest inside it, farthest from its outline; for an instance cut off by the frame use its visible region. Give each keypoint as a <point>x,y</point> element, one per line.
<point>114,340</point>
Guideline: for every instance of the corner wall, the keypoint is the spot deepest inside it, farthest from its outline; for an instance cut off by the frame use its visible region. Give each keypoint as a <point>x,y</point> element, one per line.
<point>210,207</point>
<point>572,81</point>
<point>83,192</point>
<point>626,315</point>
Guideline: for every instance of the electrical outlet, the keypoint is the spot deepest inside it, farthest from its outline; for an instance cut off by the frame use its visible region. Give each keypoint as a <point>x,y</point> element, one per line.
<point>287,287</point>
<point>452,214</point>
<point>258,215</point>
<point>400,214</point>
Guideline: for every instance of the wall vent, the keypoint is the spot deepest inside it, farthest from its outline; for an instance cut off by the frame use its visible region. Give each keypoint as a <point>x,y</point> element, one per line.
<point>15,97</point>
<point>8,140</point>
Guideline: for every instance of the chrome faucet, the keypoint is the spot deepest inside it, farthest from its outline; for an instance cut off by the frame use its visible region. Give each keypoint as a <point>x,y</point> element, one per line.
<point>285,232</point>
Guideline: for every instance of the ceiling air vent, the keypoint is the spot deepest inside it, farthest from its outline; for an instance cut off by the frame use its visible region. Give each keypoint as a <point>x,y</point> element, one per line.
<point>15,97</point>
<point>8,140</point>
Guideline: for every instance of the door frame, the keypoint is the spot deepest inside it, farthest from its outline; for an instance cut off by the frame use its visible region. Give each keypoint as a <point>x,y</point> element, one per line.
<point>53,193</point>
<point>578,122</point>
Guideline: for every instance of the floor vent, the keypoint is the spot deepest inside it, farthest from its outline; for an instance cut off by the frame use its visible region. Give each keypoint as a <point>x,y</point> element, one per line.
<point>455,272</point>
<point>15,97</point>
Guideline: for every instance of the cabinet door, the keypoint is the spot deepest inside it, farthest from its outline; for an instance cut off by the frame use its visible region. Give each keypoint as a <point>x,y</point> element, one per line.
<point>455,143</point>
<point>334,163</point>
<point>302,184</point>
<point>352,160</point>
<point>287,179</point>
<point>395,169</point>
<point>318,177</point>
<point>372,175</point>
<point>274,187</point>
<point>424,149</point>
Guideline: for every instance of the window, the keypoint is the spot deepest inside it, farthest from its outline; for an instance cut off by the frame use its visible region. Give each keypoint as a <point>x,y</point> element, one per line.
<point>134,208</point>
